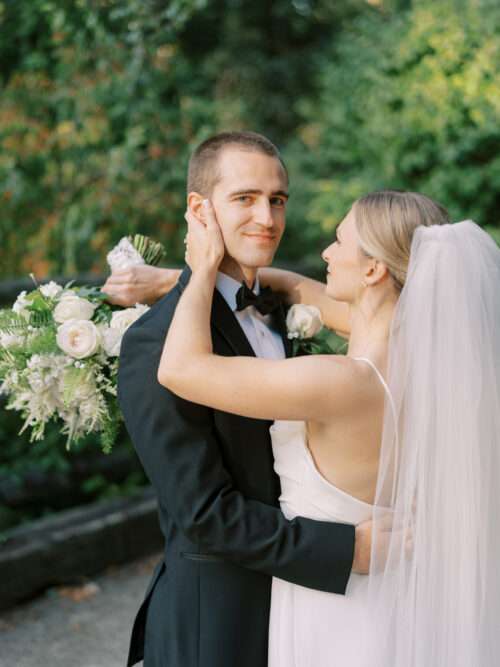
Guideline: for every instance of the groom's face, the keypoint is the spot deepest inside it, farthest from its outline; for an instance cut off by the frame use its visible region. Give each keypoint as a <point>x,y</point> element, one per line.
<point>249,200</point>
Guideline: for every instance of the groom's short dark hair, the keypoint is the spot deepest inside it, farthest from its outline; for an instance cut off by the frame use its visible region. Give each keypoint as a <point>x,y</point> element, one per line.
<point>203,173</point>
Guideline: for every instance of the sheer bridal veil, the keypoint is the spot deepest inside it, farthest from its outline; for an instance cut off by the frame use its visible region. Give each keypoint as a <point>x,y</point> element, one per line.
<point>434,587</point>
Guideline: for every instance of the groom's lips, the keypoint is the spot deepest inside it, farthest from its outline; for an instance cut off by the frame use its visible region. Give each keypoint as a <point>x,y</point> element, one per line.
<point>265,237</point>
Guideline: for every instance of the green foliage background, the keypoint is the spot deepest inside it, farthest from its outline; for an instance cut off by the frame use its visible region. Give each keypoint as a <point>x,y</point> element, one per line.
<point>102,101</point>
<point>411,101</point>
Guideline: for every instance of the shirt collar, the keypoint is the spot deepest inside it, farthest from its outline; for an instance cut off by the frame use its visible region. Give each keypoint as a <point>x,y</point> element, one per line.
<point>228,287</point>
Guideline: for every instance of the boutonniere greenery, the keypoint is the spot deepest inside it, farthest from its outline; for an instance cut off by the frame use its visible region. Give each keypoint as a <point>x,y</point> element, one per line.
<point>307,333</point>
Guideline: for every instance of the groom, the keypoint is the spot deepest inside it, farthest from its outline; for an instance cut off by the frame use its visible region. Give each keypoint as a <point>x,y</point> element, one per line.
<point>208,602</point>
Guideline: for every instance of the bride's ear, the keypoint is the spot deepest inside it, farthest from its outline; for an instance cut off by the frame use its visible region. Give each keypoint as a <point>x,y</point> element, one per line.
<point>195,205</point>
<point>376,272</point>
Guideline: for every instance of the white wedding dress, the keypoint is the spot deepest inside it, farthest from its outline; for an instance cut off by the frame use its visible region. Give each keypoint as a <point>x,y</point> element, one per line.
<point>437,603</point>
<point>310,628</point>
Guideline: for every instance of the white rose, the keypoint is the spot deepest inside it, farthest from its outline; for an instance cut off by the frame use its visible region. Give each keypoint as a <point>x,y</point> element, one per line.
<point>72,307</point>
<point>78,338</point>
<point>20,304</point>
<point>51,290</point>
<point>123,256</point>
<point>111,341</point>
<point>122,319</point>
<point>303,321</point>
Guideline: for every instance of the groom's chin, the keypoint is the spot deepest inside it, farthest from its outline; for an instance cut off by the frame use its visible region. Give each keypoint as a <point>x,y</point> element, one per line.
<point>261,259</point>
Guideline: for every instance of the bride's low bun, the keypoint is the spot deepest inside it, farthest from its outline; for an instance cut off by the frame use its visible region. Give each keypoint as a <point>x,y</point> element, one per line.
<point>386,221</point>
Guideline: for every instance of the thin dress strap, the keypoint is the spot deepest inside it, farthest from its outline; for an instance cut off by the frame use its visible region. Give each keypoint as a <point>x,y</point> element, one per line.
<point>389,396</point>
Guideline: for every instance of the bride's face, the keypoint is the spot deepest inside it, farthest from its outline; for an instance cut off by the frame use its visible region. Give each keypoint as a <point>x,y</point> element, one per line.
<point>346,263</point>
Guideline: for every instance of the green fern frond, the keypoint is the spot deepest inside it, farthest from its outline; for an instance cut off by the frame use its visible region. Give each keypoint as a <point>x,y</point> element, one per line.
<point>12,323</point>
<point>39,320</point>
<point>43,342</point>
<point>111,425</point>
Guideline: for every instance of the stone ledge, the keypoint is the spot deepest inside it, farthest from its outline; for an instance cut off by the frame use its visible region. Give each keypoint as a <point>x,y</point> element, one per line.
<point>77,543</point>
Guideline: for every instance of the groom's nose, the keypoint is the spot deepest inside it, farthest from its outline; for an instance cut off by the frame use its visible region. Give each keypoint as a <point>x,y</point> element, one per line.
<point>263,213</point>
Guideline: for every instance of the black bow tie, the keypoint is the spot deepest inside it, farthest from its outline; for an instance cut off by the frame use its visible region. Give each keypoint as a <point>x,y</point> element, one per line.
<point>266,301</point>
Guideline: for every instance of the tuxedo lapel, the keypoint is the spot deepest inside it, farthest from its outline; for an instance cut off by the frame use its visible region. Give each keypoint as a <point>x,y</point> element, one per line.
<point>224,320</point>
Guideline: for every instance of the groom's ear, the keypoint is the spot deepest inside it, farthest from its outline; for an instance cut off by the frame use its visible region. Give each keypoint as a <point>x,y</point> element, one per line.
<point>195,204</point>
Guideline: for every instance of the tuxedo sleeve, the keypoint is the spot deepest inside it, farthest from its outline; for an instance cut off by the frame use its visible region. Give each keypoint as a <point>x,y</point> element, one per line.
<point>177,445</point>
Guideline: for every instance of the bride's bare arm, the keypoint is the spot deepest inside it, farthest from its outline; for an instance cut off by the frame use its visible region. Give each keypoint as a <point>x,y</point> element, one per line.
<point>147,284</point>
<point>299,289</point>
<point>316,387</point>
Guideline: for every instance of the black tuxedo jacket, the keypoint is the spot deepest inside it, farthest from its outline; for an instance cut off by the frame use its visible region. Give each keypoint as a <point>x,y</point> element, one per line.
<point>208,602</point>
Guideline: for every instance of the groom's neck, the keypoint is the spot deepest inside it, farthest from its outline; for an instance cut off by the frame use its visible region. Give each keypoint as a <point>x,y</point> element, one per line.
<point>238,272</point>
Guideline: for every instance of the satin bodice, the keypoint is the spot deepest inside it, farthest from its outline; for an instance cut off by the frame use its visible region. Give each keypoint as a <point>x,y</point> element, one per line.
<point>304,490</point>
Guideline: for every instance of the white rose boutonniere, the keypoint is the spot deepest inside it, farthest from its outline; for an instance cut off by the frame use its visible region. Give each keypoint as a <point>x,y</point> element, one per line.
<point>304,323</point>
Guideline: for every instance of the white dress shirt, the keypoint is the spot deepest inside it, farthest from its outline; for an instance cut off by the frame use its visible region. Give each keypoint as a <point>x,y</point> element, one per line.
<point>265,342</point>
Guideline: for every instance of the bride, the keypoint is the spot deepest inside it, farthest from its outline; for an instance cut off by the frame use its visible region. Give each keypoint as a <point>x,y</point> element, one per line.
<point>404,429</point>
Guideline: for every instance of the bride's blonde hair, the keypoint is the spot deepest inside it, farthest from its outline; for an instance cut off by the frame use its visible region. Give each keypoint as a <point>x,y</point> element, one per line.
<point>386,221</point>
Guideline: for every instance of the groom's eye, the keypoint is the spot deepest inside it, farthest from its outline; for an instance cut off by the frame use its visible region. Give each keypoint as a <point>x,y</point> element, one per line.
<point>244,199</point>
<point>277,201</point>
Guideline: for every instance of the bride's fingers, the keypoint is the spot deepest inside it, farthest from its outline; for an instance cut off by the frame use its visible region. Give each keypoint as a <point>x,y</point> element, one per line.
<point>213,226</point>
<point>209,215</point>
<point>189,216</point>
<point>208,219</point>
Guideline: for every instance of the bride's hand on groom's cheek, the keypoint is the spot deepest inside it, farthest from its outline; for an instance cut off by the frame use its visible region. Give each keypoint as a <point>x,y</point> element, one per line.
<point>204,241</point>
<point>139,284</point>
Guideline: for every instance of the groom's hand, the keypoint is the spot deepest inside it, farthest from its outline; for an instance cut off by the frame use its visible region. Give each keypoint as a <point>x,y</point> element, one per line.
<point>139,284</point>
<point>390,538</point>
<point>362,548</point>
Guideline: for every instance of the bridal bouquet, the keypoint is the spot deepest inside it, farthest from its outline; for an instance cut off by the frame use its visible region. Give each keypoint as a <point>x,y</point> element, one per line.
<point>59,348</point>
